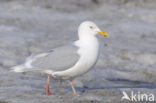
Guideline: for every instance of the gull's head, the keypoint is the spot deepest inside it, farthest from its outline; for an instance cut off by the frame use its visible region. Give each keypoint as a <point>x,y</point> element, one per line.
<point>89,28</point>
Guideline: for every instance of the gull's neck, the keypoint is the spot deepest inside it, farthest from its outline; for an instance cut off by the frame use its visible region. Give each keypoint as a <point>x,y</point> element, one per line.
<point>88,40</point>
<point>84,36</point>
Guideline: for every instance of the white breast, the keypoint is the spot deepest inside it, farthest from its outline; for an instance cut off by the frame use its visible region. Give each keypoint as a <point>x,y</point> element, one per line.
<point>88,52</point>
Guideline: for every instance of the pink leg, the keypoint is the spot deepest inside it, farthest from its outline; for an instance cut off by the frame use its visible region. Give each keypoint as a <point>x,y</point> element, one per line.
<point>47,86</point>
<point>72,86</point>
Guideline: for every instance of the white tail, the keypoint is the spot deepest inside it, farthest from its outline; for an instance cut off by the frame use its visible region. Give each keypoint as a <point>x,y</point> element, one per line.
<point>23,68</point>
<point>19,68</point>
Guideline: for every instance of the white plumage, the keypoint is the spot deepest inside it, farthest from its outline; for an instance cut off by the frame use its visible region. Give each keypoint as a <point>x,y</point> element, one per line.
<point>69,61</point>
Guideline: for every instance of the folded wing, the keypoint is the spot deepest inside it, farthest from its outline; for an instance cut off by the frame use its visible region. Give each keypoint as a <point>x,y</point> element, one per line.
<point>57,59</point>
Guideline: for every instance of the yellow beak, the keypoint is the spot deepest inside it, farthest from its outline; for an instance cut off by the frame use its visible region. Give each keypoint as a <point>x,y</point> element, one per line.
<point>103,33</point>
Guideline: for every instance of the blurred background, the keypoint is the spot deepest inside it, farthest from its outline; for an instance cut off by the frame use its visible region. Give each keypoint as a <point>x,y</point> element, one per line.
<point>127,60</point>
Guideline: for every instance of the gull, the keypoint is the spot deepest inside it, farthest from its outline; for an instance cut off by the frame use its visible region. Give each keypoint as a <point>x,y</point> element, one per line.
<point>69,61</point>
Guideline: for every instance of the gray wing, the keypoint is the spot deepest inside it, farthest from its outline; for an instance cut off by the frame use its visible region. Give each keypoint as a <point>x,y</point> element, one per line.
<point>56,59</point>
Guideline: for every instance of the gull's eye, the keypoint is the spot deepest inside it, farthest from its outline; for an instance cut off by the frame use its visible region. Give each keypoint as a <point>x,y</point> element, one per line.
<point>91,27</point>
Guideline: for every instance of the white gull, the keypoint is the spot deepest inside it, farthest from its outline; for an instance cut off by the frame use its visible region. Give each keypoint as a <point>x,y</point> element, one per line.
<point>69,61</point>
